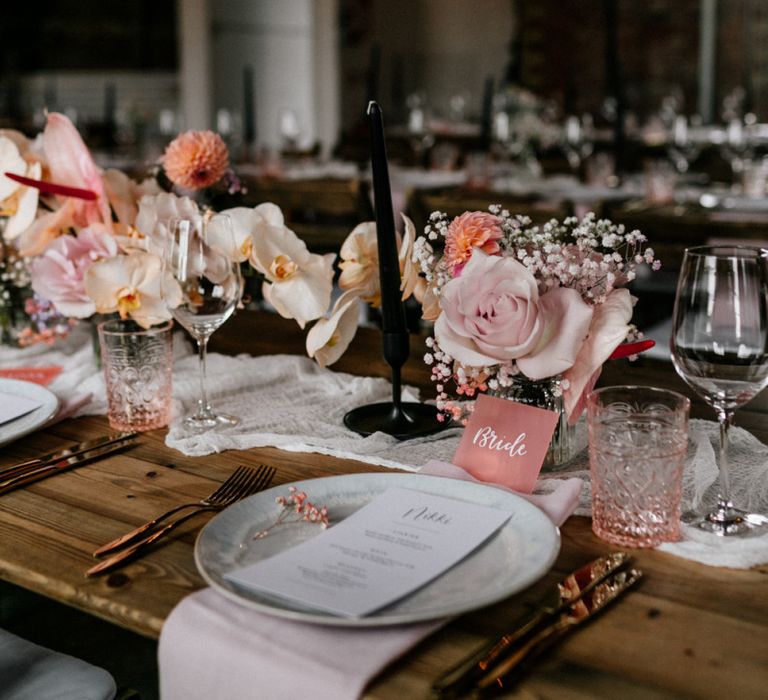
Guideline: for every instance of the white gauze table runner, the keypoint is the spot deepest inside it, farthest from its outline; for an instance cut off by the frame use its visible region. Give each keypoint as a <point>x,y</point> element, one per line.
<point>287,401</point>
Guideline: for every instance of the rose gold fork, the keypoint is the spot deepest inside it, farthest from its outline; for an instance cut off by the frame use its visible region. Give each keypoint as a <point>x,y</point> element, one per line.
<point>245,481</point>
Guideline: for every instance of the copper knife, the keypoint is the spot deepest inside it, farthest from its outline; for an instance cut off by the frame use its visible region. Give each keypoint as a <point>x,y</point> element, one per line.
<point>34,474</point>
<point>66,452</point>
<point>461,677</point>
<point>586,607</point>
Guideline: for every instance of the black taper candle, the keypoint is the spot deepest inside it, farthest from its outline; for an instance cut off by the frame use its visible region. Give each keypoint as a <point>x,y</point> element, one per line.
<point>614,83</point>
<point>486,114</point>
<point>402,419</point>
<point>249,112</point>
<point>392,311</point>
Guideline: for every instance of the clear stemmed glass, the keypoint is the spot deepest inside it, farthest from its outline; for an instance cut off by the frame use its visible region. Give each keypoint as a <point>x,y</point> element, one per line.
<point>211,288</point>
<point>739,146</point>
<point>720,348</point>
<point>577,141</point>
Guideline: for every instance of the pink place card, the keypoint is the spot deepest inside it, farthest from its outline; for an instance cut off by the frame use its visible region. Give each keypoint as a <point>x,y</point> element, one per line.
<point>505,442</point>
<point>38,375</point>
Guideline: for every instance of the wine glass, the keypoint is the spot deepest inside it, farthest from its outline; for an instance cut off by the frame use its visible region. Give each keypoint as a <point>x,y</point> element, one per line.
<point>720,348</point>
<point>738,146</point>
<point>420,138</point>
<point>683,147</point>
<point>577,141</point>
<point>211,287</point>
<point>290,131</point>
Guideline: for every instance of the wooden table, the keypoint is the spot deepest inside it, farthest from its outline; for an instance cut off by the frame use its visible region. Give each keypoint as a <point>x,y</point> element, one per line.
<point>688,630</point>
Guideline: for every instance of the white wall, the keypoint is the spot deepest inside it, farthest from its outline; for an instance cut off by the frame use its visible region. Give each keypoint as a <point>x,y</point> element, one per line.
<point>193,21</point>
<point>326,79</point>
<point>292,48</point>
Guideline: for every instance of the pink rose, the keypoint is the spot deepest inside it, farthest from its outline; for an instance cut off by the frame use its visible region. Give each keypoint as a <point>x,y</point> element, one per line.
<point>57,274</point>
<point>493,313</point>
<point>609,327</point>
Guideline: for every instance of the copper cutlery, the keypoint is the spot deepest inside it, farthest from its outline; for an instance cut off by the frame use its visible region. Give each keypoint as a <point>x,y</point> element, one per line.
<point>462,676</point>
<point>29,472</point>
<point>64,453</point>
<point>588,605</point>
<point>243,482</point>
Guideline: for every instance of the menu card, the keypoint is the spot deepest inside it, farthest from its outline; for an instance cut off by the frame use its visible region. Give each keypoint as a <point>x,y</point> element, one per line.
<point>13,407</point>
<point>395,544</point>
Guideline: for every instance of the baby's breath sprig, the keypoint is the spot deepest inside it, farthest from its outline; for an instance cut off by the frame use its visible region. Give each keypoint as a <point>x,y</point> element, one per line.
<point>299,505</point>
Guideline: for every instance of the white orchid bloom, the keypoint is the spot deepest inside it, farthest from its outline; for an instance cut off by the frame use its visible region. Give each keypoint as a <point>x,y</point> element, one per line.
<point>412,282</point>
<point>299,283</point>
<point>133,285</point>
<point>25,206</point>
<point>18,202</point>
<point>26,148</point>
<point>245,225</point>
<point>271,213</point>
<point>360,263</point>
<point>329,338</point>
<point>239,245</point>
<point>155,211</point>
<point>11,161</point>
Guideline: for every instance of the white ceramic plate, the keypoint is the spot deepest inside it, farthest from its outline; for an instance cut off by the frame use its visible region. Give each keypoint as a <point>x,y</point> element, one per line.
<point>514,558</point>
<point>25,424</point>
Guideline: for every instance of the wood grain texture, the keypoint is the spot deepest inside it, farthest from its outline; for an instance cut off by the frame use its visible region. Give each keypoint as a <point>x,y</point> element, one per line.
<point>688,630</point>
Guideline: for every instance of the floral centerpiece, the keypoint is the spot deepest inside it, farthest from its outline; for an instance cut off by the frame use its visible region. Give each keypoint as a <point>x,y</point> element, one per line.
<point>525,311</point>
<point>77,241</point>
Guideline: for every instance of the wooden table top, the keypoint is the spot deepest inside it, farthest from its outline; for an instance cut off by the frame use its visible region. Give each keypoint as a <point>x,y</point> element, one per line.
<point>688,630</point>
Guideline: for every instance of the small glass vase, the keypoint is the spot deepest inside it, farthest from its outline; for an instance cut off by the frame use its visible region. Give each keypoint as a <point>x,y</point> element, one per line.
<point>567,440</point>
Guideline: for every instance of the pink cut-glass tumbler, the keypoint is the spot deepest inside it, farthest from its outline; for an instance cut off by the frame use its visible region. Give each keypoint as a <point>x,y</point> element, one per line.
<point>138,365</point>
<point>638,438</point>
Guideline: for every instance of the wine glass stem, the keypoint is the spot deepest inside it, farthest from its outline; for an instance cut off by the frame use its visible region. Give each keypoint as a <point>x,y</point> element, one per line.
<point>725,418</point>
<point>203,407</point>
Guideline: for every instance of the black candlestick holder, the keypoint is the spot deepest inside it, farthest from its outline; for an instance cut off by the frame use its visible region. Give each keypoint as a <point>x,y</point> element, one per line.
<point>402,420</point>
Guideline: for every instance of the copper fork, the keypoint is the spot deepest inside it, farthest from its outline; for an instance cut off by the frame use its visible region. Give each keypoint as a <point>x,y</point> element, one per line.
<point>243,482</point>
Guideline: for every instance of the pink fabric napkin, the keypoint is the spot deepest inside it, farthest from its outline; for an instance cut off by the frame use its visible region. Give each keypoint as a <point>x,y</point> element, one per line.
<point>558,504</point>
<point>211,647</point>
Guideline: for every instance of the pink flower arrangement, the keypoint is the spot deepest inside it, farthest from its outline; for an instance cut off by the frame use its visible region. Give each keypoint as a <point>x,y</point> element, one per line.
<point>515,299</point>
<point>92,241</point>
